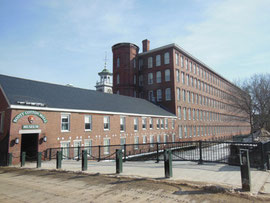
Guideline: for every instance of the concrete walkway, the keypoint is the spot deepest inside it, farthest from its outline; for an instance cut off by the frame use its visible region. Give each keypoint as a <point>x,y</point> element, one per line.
<point>205,174</point>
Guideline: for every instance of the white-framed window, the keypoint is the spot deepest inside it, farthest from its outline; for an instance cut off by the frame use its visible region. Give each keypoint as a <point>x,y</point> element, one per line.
<point>151,140</point>
<point>150,62</point>
<point>144,139</point>
<point>188,96</point>
<point>159,95</point>
<point>177,75</point>
<point>182,62</point>
<point>118,62</point>
<point>135,124</point>
<point>158,77</point>
<point>187,79</point>
<point>158,123</point>
<point>65,122</point>
<point>166,123</point>
<point>185,131</point>
<point>143,123</point>
<point>167,75</point>
<point>165,139</point>
<point>168,94</point>
<point>179,112</point>
<point>167,58</point>
<point>162,123</point>
<point>136,142</point>
<point>88,146</point>
<point>87,122</point>
<point>122,143</point>
<point>106,143</point>
<point>158,139</point>
<point>2,120</point>
<point>178,92</point>
<point>122,124</point>
<point>173,123</point>
<point>151,123</point>
<point>176,58</point>
<point>190,131</point>
<point>157,60</point>
<point>77,144</point>
<point>185,113</point>
<point>150,78</point>
<point>180,131</point>
<point>183,77</point>
<point>106,120</point>
<point>189,114</point>
<point>117,79</point>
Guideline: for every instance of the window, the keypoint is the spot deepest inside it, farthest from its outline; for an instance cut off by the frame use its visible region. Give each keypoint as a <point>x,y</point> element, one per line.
<point>177,76</point>
<point>144,139</point>
<point>186,64</point>
<point>158,77</point>
<point>117,79</point>
<point>190,131</point>
<point>158,123</point>
<point>182,62</point>
<point>2,120</point>
<point>134,79</point>
<point>106,120</point>
<point>173,124</point>
<point>141,80</point>
<point>122,143</point>
<point>188,96</point>
<point>150,96</point>
<point>162,123</point>
<point>87,123</point>
<point>135,124</point>
<point>180,131</point>
<point>176,58</point>
<point>184,95</point>
<point>134,63</point>
<point>118,62</point>
<point>194,131</point>
<point>187,80</point>
<point>185,129</point>
<point>168,94</point>
<point>179,112</point>
<point>159,95</point>
<point>167,75</point>
<point>185,113</point>
<point>150,78</point>
<point>178,94</point>
<point>151,141</point>
<point>106,144</point>
<point>150,123</point>
<point>189,114</point>
<point>140,64</point>
<point>143,123</point>
<point>150,62</point>
<point>88,147</point>
<point>166,123</point>
<point>122,124</point>
<point>65,122</point>
<point>167,58</point>
<point>136,142</point>
<point>157,60</point>
<point>183,77</point>
<point>193,114</point>
<point>158,139</point>
<point>190,66</point>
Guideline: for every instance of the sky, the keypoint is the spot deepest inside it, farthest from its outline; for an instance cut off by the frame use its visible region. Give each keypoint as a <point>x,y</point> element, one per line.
<point>65,41</point>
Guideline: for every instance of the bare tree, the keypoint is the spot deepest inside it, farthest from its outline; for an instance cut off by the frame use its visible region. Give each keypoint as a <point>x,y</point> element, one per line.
<point>251,98</point>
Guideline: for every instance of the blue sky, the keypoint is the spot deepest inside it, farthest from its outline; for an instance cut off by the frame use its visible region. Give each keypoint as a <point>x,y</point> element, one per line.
<point>64,41</point>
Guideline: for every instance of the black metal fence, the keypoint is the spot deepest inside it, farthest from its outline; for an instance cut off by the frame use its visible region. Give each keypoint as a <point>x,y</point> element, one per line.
<point>199,151</point>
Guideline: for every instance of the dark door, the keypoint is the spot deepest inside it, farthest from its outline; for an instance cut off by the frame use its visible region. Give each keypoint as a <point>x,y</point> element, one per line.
<point>30,146</point>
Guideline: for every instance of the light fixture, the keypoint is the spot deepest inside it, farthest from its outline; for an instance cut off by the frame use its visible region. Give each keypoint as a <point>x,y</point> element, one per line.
<point>17,141</point>
<point>45,139</point>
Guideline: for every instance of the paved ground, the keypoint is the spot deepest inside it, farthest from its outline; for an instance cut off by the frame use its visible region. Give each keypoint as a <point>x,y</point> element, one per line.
<point>188,172</point>
<point>41,186</point>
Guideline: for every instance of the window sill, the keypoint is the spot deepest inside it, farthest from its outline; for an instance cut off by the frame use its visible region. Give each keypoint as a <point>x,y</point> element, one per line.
<point>65,131</point>
<point>106,129</point>
<point>87,130</point>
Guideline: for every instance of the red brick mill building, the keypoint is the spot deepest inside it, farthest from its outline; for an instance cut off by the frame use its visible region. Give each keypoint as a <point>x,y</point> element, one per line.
<point>37,115</point>
<point>160,95</point>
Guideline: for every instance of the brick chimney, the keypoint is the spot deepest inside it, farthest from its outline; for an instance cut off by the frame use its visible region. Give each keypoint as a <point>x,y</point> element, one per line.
<point>146,45</point>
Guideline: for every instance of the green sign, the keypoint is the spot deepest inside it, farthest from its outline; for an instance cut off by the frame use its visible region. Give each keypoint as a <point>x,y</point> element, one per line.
<point>28,113</point>
<point>30,126</point>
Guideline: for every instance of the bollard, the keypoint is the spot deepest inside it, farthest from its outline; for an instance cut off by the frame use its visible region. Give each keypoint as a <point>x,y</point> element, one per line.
<point>245,169</point>
<point>157,153</point>
<point>268,160</point>
<point>9,159</point>
<point>119,161</point>
<point>23,159</point>
<point>59,160</point>
<point>84,160</point>
<point>168,163</point>
<point>39,159</point>
<point>99,152</point>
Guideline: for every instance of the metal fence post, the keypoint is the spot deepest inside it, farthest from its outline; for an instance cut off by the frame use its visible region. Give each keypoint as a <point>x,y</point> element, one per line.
<point>59,160</point>
<point>50,154</point>
<point>9,163</point>
<point>39,159</point>
<point>200,150</point>
<point>157,153</point>
<point>168,163</point>
<point>23,159</point>
<point>268,160</point>
<point>245,169</point>
<point>125,152</point>
<point>99,152</point>
<point>84,160</point>
<point>78,153</point>
<point>119,161</point>
<point>262,156</point>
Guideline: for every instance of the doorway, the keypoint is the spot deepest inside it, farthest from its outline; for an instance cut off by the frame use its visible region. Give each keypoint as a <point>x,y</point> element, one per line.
<point>29,145</point>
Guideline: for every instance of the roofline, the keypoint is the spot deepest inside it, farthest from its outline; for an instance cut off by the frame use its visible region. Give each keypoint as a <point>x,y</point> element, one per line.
<point>125,44</point>
<point>5,96</point>
<point>85,111</point>
<point>174,45</point>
